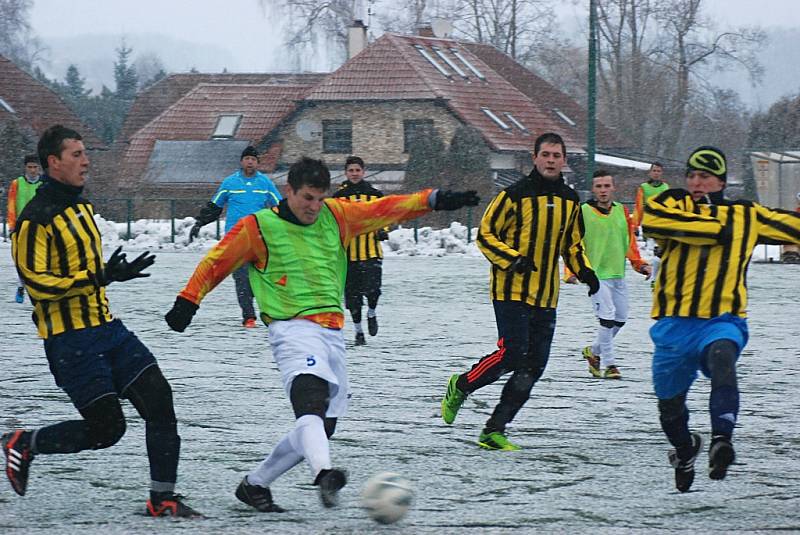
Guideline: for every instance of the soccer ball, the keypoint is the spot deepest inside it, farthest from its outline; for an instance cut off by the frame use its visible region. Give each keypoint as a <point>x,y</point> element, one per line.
<point>387,497</point>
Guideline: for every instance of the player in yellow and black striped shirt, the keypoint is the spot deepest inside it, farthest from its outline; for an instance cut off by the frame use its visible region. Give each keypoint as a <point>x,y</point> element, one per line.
<point>523,232</point>
<point>58,253</point>
<point>699,302</point>
<point>364,254</point>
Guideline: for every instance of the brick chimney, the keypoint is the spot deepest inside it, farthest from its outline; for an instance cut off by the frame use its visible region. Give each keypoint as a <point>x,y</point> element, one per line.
<point>425,29</point>
<point>356,38</point>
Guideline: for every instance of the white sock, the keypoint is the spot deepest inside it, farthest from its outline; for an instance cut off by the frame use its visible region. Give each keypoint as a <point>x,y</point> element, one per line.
<point>309,439</point>
<point>358,327</point>
<point>281,460</point>
<point>605,340</point>
<point>371,313</point>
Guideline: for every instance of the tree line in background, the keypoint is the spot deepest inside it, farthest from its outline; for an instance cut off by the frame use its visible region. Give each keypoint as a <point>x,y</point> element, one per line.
<point>657,63</point>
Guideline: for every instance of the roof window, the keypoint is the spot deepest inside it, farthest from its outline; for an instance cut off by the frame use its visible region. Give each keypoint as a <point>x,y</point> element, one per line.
<point>564,117</point>
<point>432,61</point>
<point>6,106</point>
<point>452,64</point>
<point>496,119</point>
<point>516,122</point>
<point>227,125</point>
<point>469,65</point>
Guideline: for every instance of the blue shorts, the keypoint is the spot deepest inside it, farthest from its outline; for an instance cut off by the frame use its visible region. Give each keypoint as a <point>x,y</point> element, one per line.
<point>94,362</point>
<point>681,345</point>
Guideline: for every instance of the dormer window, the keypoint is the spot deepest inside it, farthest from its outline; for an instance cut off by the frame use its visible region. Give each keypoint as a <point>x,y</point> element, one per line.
<point>6,106</point>
<point>227,125</point>
<point>564,117</point>
<point>439,66</point>
<point>498,121</point>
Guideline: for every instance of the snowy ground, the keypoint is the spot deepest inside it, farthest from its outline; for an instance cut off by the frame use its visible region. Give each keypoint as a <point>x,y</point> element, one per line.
<point>594,459</point>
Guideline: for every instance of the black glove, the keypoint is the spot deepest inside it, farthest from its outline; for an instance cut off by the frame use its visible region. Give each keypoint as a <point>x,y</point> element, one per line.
<point>194,232</point>
<point>522,264</point>
<point>588,277</point>
<point>180,315</point>
<point>118,268</point>
<point>453,200</point>
<point>382,235</point>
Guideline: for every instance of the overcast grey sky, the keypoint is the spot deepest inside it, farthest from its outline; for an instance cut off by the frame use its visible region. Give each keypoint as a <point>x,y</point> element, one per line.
<point>241,36</point>
<point>252,36</point>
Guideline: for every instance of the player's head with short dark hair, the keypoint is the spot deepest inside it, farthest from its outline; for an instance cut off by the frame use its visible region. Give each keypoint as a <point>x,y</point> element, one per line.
<point>602,172</point>
<point>52,142</point>
<point>354,160</point>
<point>657,164</point>
<point>550,138</point>
<point>309,172</point>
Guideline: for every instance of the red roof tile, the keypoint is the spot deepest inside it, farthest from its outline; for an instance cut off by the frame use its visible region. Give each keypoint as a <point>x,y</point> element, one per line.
<point>194,118</point>
<point>392,68</point>
<point>167,91</point>
<point>37,106</point>
<point>542,92</point>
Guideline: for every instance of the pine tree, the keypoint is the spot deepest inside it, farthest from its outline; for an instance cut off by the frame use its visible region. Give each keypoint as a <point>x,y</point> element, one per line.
<point>125,75</point>
<point>467,160</point>
<point>426,160</point>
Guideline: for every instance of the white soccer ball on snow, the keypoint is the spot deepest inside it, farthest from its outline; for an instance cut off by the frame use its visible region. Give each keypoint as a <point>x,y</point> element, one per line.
<point>387,497</point>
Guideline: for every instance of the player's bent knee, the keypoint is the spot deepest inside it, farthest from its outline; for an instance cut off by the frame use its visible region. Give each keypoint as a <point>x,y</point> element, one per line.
<point>672,408</point>
<point>309,395</point>
<point>104,434</point>
<point>722,361</point>
<point>330,426</point>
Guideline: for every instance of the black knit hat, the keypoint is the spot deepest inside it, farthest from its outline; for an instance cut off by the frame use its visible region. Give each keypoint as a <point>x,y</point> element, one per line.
<point>709,159</point>
<point>249,151</point>
<point>31,158</point>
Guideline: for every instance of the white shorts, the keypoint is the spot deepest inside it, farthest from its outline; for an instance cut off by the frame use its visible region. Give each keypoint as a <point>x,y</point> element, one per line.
<point>302,346</point>
<point>611,300</point>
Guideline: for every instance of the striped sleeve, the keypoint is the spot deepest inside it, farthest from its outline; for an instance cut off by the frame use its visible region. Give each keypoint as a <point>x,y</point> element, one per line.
<point>638,207</point>
<point>666,217</point>
<point>496,219</point>
<point>356,218</point>
<point>241,244</point>
<point>572,251</point>
<point>31,250</point>
<point>636,260</point>
<point>777,226</point>
<point>11,212</point>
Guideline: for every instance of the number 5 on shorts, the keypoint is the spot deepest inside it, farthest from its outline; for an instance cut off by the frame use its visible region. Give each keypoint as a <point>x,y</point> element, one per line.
<point>310,361</point>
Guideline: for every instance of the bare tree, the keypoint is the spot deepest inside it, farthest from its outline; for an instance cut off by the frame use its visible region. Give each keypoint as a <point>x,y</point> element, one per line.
<point>653,55</point>
<point>311,23</point>
<point>17,41</point>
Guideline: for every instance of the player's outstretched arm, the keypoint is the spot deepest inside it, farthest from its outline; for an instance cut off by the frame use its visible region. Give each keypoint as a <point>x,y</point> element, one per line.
<point>356,218</point>
<point>242,244</point>
<point>778,226</point>
<point>670,216</point>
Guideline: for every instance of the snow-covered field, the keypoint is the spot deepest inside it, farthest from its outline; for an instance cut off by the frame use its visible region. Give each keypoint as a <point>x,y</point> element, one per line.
<point>593,458</point>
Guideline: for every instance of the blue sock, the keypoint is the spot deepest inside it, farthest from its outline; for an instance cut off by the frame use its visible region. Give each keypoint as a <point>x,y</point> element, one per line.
<point>724,408</point>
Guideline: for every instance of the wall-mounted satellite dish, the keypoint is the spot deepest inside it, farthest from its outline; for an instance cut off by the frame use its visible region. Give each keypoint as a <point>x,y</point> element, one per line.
<point>308,129</point>
<point>442,28</point>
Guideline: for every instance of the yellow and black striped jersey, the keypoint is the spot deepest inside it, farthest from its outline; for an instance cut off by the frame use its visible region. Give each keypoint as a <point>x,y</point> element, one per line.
<point>363,246</point>
<point>539,219</point>
<point>707,247</point>
<point>57,250</point>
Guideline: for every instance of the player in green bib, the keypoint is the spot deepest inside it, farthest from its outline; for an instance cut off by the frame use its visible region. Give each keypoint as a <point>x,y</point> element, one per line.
<point>608,240</point>
<point>20,193</point>
<point>298,266</point>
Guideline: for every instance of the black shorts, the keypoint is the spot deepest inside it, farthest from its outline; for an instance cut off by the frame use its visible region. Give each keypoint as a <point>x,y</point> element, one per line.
<point>363,280</point>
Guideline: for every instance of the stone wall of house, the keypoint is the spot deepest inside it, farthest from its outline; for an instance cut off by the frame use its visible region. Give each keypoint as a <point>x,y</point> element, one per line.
<point>377,129</point>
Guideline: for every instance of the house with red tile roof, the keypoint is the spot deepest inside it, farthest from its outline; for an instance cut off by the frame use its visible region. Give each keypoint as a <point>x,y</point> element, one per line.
<point>34,107</point>
<point>373,106</point>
